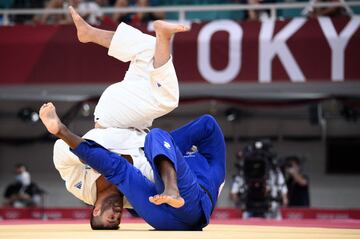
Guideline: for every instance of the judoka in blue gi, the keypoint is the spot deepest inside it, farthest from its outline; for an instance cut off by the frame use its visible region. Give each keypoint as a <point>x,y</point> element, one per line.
<point>186,185</point>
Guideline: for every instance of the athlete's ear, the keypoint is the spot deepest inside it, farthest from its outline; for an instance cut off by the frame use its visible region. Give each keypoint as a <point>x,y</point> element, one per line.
<point>96,212</point>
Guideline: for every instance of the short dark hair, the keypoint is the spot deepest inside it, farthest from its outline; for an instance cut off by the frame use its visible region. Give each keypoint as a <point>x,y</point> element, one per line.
<point>97,225</point>
<point>293,158</point>
<point>19,165</point>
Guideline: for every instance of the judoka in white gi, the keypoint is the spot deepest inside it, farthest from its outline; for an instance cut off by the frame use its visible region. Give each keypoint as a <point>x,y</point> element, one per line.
<point>123,113</point>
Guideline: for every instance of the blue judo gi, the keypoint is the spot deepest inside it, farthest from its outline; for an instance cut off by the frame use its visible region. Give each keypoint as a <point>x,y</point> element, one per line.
<point>199,174</point>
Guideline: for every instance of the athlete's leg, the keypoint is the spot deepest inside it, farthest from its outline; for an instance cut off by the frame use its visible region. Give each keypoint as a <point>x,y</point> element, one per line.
<point>87,33</point>
<point>129,43</point>
<point>171,194</point>
<point>53,124</point>
<point>153,91</point>
<point>161,150</point>
<point>164,82</point>
<point>164,31</point>
<point>206,135</point>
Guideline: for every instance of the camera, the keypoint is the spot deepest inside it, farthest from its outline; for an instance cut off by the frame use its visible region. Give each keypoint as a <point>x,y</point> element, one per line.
<point>258,162</point>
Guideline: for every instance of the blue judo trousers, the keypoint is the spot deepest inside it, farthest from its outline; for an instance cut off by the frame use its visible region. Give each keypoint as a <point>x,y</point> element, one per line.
<point>199,173</point>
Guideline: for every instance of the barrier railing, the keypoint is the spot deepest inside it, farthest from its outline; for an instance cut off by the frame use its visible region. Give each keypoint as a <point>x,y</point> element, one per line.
<point>182,10</point>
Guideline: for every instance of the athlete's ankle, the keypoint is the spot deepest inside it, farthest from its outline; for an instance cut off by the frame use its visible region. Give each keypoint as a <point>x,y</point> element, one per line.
<point>63,131</point>
<point>172,191</point>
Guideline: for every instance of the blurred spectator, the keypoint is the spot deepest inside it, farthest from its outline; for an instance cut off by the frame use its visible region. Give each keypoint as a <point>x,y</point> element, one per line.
<point>256,14</point>
<point>136,18</point>
<point>22,175</point>
<point>20,4</point>
<point>102,3</point>
<point>278,190</point>
<point>89,10</point>
<point>121,17</point>
<point>54,18</point>
<point>326,11</point>
<point>23,192</point>
<point>237,190</point>
<point>297,183</point>
<point>238,185</point>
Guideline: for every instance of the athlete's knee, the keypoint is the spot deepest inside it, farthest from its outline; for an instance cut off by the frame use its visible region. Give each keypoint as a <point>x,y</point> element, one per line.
<point>209,120</point>
<point>210,124</point>
<point>157,134</point>
<point>156,141</point>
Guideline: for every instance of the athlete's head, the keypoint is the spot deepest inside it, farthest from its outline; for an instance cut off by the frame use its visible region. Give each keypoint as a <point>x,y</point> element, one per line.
<point>107,212</point>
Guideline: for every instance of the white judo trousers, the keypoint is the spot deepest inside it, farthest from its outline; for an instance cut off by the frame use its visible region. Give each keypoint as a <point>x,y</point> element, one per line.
<point>145,93</point>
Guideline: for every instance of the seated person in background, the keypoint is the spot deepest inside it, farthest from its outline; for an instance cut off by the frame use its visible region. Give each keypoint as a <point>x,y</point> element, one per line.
<point>89,10</point>
<point>23,192</point>
<point>236,190</point>
<point>53,18</point>
<point>238,187</point>
<point>21,4</point>
<point>257,14</point>
<point>277,189</point>
<point>327,11</point>
<point>297,183</point>
<point>103,3</point>
<point>22,175</point>
<point>136,18</point>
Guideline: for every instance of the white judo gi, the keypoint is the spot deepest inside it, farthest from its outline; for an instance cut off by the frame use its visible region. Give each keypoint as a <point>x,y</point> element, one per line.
<point>123,111</point>
<point>145,93</point>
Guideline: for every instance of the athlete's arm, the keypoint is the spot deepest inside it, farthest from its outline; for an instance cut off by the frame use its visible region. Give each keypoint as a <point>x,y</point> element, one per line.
<point>102,160</point>
<point>89,152</point>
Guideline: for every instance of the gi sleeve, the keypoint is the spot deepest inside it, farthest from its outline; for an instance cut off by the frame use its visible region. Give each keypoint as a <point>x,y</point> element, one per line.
<point>107,163</point>
<point>63,157</point>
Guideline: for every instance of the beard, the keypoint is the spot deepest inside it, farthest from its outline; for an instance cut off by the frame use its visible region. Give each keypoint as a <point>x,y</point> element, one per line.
<point>114,202</point>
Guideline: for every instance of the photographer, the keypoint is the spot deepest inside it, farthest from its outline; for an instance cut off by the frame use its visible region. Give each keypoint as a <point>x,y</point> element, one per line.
<point>279,192</point>
<point>297,183</point>
<point>238,184</point>
<point>259,186</point>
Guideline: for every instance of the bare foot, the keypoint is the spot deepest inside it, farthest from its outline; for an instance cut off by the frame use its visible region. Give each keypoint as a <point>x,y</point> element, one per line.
<point>49,118</point>
<point>174,201</point>
<point>167,29</point>
<point>82,27</point>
